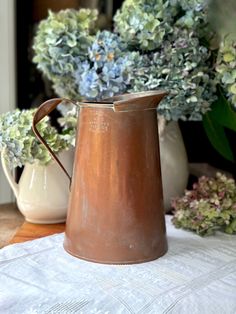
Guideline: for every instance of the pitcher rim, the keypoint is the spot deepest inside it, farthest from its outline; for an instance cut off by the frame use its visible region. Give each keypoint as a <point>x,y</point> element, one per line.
<point>109,102</point>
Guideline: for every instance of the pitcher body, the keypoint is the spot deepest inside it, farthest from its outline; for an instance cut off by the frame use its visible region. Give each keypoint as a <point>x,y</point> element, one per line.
<point>115,211</point>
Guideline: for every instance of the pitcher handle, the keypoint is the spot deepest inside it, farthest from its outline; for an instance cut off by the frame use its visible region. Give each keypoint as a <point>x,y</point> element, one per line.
<point>8,174</point>
<point>42,111</point>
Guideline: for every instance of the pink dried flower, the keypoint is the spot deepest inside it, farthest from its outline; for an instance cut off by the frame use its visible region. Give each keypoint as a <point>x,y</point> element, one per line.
<point>210,206</point>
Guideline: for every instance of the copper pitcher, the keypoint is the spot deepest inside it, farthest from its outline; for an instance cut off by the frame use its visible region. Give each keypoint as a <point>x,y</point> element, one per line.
<point>115,212</point>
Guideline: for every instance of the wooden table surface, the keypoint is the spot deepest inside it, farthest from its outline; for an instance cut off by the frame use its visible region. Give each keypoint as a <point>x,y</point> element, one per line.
<point>29,231</point>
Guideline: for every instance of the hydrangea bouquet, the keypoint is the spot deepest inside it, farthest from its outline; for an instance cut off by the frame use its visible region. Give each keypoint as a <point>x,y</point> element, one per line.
<point>167,44</point>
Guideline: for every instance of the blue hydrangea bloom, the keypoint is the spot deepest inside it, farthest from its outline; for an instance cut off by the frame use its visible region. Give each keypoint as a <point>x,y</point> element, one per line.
<point>108,70</point>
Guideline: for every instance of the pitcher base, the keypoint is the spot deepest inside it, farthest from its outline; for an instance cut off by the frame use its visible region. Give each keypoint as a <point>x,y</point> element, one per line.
<point>116,262</point>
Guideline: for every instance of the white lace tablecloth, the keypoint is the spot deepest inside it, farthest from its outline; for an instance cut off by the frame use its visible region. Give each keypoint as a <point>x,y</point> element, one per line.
<point>197,275</point>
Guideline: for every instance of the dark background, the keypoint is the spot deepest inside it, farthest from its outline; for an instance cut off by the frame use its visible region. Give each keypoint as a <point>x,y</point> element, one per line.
<point>32,90</point>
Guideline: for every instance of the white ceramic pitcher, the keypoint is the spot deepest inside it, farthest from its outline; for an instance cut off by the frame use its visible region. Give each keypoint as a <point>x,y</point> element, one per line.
<point>42,192</point>
<point>174,162</point>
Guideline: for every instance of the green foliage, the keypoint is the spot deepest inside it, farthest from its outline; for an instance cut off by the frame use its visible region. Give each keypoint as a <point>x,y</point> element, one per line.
<point>21,145</point>
<point>221,116</point>
<point>216,135</point>
<point>210,206</point>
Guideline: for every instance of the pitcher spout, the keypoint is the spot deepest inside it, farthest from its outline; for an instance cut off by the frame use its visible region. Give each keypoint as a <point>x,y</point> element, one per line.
<point>138,101</point>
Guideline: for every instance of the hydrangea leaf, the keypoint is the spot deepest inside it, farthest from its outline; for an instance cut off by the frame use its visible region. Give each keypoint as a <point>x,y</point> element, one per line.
<point>223,113</point>
<point>216,135</point>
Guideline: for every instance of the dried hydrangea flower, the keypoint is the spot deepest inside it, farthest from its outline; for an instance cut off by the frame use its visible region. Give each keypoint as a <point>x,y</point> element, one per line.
<point>182,66</point>
<point>210,206</point>
<point>180,62</point>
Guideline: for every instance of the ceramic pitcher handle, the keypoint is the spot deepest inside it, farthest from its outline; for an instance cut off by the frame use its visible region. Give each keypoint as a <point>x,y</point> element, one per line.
<point>8,174</point>
<point>43,110</point>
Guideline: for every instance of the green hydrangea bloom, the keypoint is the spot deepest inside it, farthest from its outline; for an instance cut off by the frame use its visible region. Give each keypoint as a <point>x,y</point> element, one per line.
<point>226,67</point>
<point>144,23</point>
<point>21,145</point>
<point>60,39</point>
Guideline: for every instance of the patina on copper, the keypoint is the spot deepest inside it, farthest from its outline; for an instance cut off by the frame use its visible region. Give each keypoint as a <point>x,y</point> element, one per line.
<point>115,212</point>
